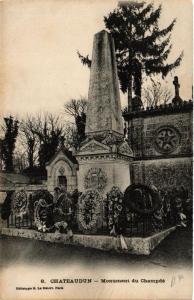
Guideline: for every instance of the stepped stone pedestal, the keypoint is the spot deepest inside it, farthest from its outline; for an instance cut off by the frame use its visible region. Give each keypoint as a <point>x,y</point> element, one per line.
<point>104,156</point>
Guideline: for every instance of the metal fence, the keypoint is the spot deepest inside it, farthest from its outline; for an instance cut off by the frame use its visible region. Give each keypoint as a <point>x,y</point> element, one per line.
<point>18,222</point>
<point>135,225</point>
<point>140,225</point>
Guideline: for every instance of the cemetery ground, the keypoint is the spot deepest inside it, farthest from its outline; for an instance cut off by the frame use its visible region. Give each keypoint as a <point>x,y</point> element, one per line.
<point>174,251</point>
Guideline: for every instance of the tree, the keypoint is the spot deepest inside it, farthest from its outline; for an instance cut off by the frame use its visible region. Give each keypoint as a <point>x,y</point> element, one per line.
<point>8,143</point>
<point>77,109</point>
<point>49,130</point>
<point>29,139</point>
<point>20,160</point>
<point>141,47</point>
<point>155,94</point>
<point>71,137</point>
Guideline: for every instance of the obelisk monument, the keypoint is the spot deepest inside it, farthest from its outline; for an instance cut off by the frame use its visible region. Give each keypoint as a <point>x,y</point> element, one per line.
<point>104,107</point>
<point>104,157</point>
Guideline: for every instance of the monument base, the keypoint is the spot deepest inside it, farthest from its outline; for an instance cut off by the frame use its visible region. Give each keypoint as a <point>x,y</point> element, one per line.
<point>102,174</point>
<point>135,245</point>
<point>102,166</point>
<point>104,163</point>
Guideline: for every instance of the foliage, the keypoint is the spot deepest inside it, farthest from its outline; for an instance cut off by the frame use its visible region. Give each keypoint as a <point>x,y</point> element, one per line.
<point>8,143</point>
<point>141,46</point>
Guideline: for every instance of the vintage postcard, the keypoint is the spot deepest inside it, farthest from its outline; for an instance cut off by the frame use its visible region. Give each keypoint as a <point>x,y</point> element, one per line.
<point>96,149</point>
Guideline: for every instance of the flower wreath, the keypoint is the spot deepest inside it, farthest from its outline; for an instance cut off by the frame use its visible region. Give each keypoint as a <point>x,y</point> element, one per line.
<point>142,199</point>
<point>89,208</point>
<point>114,206</point>
<point>41,214</point>
<point>41,205</point>
<point>20,203</point>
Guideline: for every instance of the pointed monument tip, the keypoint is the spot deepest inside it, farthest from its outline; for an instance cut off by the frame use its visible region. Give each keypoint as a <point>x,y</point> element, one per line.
<point>102,32</point>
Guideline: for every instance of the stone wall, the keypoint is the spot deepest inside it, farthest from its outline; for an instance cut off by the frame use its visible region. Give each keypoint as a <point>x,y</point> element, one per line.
<point>165,174</point>
<point>150,135</point>
<point>161,140</point>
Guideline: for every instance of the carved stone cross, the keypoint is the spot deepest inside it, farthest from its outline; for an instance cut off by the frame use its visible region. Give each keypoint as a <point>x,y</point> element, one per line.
<point>176,86</point>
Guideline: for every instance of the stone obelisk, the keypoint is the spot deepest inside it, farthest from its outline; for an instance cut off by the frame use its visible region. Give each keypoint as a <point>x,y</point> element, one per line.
<point>104,107</point>
<point>104,156</point>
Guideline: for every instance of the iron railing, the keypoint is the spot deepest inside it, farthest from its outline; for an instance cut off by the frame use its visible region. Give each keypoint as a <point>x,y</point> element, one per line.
<point>135,225</point>
<point>18,222</point>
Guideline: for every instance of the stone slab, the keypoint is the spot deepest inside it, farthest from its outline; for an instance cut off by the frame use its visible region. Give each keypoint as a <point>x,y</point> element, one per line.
<point>136,245</point>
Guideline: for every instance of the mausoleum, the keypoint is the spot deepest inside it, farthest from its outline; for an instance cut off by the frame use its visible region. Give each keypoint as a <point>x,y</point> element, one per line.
<point>62,171</point>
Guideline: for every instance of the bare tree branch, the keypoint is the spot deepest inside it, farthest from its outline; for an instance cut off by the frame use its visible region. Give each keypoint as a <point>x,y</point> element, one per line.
<point>156,94</point>
<point>75,107</point>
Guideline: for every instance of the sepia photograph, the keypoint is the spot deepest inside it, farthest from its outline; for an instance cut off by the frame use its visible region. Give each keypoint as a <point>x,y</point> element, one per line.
<point>96,172</point>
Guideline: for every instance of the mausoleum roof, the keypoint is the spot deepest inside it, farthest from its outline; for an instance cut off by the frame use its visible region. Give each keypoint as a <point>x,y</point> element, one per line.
<point>67,153</point>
